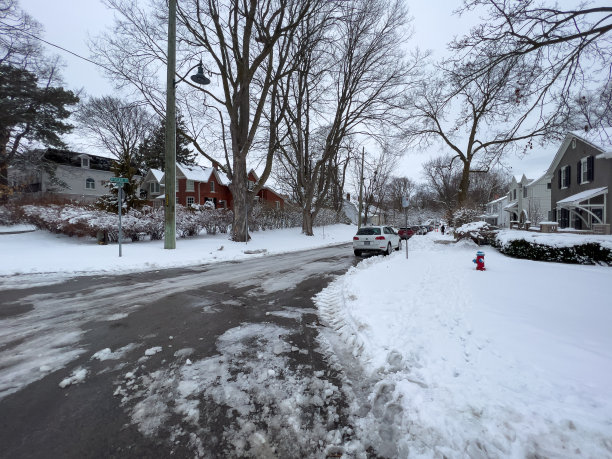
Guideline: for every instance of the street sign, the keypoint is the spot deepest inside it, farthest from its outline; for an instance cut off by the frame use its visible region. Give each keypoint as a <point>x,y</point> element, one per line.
<point>405,201</point>
<point>119,180</point>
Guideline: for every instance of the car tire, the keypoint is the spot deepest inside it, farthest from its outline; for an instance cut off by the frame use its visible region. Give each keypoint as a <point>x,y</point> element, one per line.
<point>357,253</point>
<point>388,251</point>
<point>399,245</point>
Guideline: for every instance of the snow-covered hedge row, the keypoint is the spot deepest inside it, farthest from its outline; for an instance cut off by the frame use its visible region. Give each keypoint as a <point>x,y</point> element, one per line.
<point>148,222</point>
<point>586,254</point>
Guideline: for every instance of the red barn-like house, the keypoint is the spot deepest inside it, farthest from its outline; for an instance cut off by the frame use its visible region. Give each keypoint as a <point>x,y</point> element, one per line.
<point>198,185</point>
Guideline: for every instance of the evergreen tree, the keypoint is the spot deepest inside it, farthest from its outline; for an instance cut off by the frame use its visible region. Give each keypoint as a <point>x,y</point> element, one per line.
<point>29,112</point>
<point>152,151</point>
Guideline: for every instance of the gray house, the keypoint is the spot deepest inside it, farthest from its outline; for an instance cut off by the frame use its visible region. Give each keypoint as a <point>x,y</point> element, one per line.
<point>580,176</point>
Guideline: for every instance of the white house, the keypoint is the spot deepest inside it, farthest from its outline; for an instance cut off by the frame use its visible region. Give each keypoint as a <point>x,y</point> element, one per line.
<point>495,214</point>
<point>529,200</point>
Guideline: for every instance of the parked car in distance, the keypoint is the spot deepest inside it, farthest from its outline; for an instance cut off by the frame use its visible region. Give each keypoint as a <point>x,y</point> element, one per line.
<point>379,239</point>
<point>405,233</point>
<point>417,230</point>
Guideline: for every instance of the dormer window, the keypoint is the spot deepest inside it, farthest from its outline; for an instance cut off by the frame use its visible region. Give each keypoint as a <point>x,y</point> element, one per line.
<point>85,162</point>
<point>153,187</point>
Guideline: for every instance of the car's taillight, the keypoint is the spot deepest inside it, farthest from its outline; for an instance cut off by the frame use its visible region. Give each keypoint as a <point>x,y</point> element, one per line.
<point>355,238</point>
<point>380,238</point>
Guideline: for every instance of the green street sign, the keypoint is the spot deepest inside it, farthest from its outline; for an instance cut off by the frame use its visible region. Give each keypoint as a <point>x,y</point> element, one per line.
<point>119,180</point>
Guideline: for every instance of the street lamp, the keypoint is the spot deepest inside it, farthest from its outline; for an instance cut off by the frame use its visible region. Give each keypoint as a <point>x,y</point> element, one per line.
<point>170,144</point>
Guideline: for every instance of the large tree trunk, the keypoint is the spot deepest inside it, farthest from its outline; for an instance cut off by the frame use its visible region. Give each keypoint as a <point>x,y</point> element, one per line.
<point>240,193</point>
<point>307,221</point>
<point>464,186</point>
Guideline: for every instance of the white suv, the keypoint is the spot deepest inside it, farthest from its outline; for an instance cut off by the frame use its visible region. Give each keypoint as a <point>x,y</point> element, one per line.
<point>376,239</point>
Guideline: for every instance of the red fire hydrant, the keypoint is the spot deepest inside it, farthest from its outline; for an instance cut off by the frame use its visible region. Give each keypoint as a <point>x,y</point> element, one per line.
<point>479,260</point>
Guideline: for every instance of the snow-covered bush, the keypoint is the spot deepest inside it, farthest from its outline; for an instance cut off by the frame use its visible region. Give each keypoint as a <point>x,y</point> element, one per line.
<point>75,220</point>
<point>7,216</point>
<point>585,253</point>
<point>479,232</point>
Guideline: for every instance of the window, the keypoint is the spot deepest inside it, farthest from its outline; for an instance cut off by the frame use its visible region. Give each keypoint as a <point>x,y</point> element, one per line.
<point>368,231</point>
<point>190,200</point>
<point>85,162</point>
<point>250,185</point>
<point>573,144</point>
<point>514,194</point>
<point>564,177</point>
<point>223,204</point>
<point>524,192</point>
<point>154,187</point>
<point>212,186</point>
<point>190,185</point>
<point>585,170</point>
<point>90,184</point>
<point>277,204</point>
<point>549,185</point>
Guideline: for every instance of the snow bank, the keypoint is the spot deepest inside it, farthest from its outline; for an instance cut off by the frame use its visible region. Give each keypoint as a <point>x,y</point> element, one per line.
<point>515,361</point>
<point>55,256</point>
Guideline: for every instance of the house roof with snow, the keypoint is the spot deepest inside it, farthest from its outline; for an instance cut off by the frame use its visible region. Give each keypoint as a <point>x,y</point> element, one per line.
<point>157,174</point>
<point>498,200</point>
<point>199,173</point>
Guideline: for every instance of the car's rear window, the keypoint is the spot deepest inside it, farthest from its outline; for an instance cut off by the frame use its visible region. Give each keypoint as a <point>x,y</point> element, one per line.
<point>368,231</point>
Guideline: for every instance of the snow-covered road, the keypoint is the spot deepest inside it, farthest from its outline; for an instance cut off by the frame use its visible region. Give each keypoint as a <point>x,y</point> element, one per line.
<point>220,360</point>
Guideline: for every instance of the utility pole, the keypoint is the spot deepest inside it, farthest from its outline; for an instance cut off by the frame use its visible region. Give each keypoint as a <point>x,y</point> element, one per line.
<point>361,189</point>
<point>170,171</point>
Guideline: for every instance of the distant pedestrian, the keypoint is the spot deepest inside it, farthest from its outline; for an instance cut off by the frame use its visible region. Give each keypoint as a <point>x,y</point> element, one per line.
<point>442,230</point>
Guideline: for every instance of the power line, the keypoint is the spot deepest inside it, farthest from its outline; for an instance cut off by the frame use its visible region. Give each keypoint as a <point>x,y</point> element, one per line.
<point>58,47</point>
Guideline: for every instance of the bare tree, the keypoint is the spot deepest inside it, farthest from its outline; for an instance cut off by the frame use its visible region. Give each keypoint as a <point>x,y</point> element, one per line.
<point>352,71</point>
<point>245,42</point>
<point>18,48</point>
<point>400,188</point>
<point>570,48</point>
<point>377,170</point>
<point>118,127</point>
<point>442,177</point>
<point>488,115</point>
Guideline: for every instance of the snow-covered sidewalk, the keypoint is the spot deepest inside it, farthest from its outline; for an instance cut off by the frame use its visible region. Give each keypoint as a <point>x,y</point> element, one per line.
<point>54,256</point>
<point>515,361</point>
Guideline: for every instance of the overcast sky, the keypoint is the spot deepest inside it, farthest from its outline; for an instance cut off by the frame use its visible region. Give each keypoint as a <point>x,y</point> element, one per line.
<point>69,23</point>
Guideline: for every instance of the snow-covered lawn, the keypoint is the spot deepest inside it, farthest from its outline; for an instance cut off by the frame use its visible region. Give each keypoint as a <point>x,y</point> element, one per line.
<point>515,361</point>
<point>56,255</point>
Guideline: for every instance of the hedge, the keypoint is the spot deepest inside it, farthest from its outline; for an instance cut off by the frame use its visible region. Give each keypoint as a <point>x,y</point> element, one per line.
<point>586,254</point>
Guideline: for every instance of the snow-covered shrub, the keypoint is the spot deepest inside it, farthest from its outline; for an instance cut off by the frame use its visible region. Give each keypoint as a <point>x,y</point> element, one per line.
<point>588,253</point>
<point>8,216</point>
<point>479,232</point>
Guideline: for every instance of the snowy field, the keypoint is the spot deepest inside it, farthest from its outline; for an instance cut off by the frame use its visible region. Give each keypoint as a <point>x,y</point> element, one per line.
<point>41,257</point>
<point>515,361</point>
